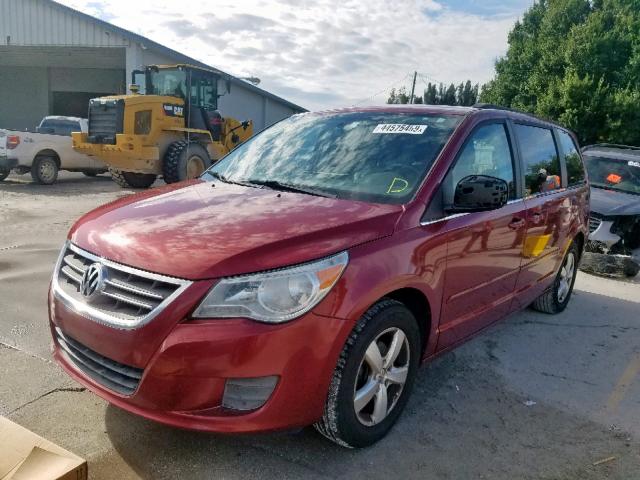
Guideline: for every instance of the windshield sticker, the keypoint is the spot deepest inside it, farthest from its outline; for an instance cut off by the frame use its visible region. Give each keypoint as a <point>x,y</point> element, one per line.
<point>613,178</point>
<point>398,185</point>
<point>400,128</point>
<point>631,163</point>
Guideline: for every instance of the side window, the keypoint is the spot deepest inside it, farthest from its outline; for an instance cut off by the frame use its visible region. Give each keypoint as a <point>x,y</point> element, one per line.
<point>487,152</point>
<point>540,159</point>
<point>575,168</point>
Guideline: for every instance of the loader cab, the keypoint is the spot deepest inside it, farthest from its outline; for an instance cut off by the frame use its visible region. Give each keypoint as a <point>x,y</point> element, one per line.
<point>198,88</point>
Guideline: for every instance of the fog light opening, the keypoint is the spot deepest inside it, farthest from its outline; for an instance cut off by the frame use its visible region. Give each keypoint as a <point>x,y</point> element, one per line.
<point>248,393</point>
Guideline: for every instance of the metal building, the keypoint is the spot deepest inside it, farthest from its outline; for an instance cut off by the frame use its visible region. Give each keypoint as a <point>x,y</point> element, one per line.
<point>53,59</point>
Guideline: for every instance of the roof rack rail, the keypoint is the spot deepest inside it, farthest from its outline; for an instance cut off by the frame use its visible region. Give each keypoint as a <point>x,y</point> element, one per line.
<point>492,106</point>
<point>610,145</point>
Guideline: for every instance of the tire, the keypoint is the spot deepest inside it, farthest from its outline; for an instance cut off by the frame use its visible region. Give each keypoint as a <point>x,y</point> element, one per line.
<point>4,174</point>
<point>131,179</point>
<point>341,422</point>
<point>183,161</point>
<point>556,298</point>
<point>44,170</point>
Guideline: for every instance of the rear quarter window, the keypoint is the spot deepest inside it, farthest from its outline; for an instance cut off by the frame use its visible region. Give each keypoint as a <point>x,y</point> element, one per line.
<point>540,159</point>
<point>573,160</point>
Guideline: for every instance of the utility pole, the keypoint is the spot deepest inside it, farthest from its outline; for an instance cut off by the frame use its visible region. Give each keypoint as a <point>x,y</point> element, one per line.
<point>413,87</point>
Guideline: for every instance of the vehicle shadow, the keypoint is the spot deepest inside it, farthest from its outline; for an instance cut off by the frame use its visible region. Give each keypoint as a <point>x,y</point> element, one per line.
<point>68,183</point>
<point>466,418</point>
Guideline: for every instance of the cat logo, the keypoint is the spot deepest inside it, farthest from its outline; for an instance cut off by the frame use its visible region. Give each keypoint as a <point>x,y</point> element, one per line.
<point>173,110</point>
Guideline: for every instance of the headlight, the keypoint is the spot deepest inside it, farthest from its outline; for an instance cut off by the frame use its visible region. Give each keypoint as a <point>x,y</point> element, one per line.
<point>273,297</point>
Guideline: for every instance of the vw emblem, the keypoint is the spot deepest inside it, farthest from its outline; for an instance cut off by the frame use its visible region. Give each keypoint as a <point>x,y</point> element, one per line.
<point>93,280</point>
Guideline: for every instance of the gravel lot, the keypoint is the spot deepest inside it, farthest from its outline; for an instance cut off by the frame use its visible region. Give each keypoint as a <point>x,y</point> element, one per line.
<point>536,396</point>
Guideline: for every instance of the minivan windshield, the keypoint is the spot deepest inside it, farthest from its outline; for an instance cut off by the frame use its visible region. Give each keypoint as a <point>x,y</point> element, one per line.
<point>366,156</point>
<point>614,174</point>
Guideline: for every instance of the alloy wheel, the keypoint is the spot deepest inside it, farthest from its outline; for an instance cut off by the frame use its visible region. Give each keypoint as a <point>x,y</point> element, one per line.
<point>47,171</point>
<point>381,376</point>
<point>567,272</point>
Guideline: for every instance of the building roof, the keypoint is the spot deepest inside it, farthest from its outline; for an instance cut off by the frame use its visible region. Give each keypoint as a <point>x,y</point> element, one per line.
<point>180,57</point>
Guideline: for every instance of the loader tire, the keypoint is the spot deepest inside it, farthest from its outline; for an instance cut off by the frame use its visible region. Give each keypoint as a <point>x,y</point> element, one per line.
<point>132,179</point>
<point>184,161</point>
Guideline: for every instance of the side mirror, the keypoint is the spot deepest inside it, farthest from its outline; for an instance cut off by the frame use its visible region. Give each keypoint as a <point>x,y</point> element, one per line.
<point>479,193</point>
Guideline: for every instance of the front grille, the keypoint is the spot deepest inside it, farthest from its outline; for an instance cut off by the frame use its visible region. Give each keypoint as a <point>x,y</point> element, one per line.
<point>106,119</point>
<point>594,223</point>
<point>109,373</point>
<point>122,296</point>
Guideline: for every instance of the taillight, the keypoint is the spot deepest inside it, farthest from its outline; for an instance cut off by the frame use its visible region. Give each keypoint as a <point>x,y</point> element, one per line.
<point>13,141</point>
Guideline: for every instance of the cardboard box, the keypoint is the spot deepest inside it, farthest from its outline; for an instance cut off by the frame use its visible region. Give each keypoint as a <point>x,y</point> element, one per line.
<point>27,456</point>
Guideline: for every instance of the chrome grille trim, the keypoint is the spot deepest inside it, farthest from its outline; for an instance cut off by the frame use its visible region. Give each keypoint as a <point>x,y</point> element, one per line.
<point>594,223</point>
<point>150,303</point>
<point>109,373</point>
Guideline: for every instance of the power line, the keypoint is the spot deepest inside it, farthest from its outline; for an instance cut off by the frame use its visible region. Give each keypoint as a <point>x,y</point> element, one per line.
<point>386,89</point>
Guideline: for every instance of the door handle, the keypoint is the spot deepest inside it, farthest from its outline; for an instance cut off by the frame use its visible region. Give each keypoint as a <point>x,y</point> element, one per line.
<point>537,217</point>
<point>517,223</point>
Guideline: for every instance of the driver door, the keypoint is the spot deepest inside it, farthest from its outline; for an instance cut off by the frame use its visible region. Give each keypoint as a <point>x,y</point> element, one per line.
<point>484,249</point>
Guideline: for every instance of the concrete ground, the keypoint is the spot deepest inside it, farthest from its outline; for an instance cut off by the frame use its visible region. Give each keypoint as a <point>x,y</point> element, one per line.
<point>534,397</point>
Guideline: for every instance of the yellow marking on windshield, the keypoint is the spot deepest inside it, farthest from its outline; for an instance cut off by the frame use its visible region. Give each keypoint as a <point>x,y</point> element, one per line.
<point>400,188</point>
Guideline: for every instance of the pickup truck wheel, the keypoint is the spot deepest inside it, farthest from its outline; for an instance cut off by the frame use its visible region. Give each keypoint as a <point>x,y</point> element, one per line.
<point>374,376</point>
<point>132,179</point>
<point>556,298</point>
<point>44,170</point>
<point>4,174</point>
<point>184,161</point>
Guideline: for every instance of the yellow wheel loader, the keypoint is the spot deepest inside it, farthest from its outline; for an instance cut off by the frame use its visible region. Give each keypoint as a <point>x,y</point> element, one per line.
<point>168,126</point>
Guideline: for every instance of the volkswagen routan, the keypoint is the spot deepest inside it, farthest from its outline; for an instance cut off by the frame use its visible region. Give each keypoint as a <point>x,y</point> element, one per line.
<point>304,277</point>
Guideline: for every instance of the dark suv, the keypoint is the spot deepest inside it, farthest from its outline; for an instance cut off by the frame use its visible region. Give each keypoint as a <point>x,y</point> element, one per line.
<point>305,276</point>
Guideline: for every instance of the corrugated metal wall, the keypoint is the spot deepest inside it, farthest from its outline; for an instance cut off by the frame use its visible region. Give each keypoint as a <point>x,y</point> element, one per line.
<point>39,35</point>
<point>39,22</point>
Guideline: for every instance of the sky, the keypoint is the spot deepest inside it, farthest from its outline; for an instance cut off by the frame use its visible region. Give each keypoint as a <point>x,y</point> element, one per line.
<point>327,53</point>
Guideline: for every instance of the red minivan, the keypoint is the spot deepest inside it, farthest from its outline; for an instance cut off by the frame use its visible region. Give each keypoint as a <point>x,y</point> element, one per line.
<point>306,275</point>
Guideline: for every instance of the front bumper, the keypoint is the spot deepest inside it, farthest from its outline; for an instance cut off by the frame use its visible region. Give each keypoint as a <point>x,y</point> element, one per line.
<point>129,153</point>
<point>183,382</point>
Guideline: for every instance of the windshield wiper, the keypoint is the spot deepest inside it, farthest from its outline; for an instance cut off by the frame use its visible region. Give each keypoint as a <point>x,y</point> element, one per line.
<point>225,179</point>
<point>277,185</point>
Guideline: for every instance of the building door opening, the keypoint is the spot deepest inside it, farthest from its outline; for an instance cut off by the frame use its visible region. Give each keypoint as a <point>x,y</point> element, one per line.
<point>72,104</point>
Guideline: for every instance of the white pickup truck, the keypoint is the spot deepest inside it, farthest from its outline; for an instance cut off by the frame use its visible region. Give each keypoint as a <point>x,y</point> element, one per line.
<point>46,151</point>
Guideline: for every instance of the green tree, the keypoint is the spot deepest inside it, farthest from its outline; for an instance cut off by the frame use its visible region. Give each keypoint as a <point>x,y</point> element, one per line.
<point>577,62</point>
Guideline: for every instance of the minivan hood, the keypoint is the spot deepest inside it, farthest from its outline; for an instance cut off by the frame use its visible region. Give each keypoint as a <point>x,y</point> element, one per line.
<point>196,230</point>
<point>611,203</point>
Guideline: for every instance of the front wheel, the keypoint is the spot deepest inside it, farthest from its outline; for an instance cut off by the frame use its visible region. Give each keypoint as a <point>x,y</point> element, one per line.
<point>374,376</point>
<point>556,299</point>
<point>4,174</point>
<point>184,161</point>
<point>132,179</point>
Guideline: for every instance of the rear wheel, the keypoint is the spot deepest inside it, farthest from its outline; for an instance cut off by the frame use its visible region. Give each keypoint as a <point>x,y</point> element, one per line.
<point>132,179</point>
<point>374,376</point>
<point>184,161</point>
<point>44,170</point>
<point>556,299</point>
<point>4,174</point>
